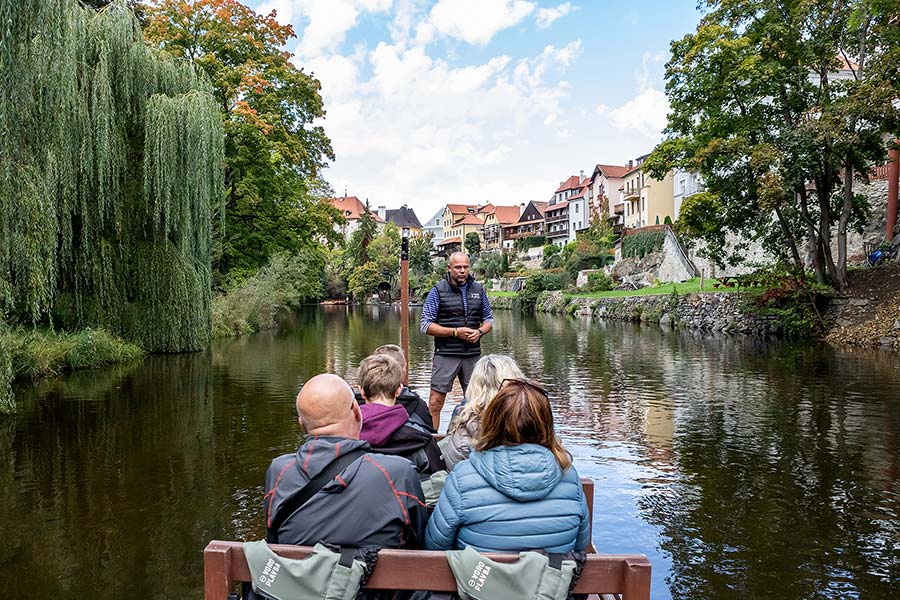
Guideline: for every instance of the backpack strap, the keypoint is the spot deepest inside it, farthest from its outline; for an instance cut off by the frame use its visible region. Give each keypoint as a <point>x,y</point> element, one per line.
<point>347,554</point>
<point>296,500</point>
<point>556,560</point>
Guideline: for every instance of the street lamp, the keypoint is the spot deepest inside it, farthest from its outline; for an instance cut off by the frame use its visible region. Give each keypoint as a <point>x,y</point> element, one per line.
<point>404,298</point>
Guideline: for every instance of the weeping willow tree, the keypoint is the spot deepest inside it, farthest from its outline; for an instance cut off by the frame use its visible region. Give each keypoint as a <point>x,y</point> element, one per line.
<point>111,171</point>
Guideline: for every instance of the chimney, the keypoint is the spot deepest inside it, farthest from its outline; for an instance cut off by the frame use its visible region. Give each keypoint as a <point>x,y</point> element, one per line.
<point>382,212</point>
<point>581,176</point>
<point>630,164</point>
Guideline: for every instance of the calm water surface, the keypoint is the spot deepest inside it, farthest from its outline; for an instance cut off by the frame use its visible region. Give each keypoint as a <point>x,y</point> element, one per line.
<point>743,469</point>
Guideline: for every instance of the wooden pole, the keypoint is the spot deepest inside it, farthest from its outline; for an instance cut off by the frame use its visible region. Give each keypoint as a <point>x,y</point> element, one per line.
<point>893,183</point>
<point>404,300</point>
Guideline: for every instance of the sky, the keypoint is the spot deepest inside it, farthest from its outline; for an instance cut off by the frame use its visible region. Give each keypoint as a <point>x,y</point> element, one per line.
<point>430,102</point>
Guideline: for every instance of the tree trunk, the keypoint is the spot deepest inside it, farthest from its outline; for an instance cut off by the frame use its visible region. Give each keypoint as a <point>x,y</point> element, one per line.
<point>841,282</point>
<point>818,259</point>
<point>791,241</point>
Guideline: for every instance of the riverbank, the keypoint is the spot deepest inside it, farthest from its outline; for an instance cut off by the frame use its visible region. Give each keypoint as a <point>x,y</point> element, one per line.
<point>706,311</point>
<point>31,353</point>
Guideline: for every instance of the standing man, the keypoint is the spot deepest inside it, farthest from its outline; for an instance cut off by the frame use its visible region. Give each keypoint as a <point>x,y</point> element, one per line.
<point>457,314</point>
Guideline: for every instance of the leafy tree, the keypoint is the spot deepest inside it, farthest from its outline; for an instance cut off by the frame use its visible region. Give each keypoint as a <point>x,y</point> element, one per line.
<point>755,107</point>
<point>273,153</point>
<point>358,247</point>
<point>364,279</point>
<point>504,264</point>
<point>550,250</point>
<point>490,264</point>
<point>384,250</point>
<point>472,243</point>
<point>420,249</point>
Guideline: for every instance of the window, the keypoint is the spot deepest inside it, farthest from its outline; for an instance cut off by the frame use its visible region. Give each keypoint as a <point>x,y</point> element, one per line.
<point>576,208</point>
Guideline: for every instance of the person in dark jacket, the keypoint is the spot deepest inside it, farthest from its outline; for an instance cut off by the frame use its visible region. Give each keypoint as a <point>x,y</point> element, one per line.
<point>386,425</point>
<point>518,490</point>
<point>414,405</point>
<point>377,500</point>
<point>457,314</point>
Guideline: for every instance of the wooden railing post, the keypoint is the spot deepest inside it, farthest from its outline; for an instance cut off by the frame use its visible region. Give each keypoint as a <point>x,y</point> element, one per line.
<point>637,579</point>
<point>216,571</point>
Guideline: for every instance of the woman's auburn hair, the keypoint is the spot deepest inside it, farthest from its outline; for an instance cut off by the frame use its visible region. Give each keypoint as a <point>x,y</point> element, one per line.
<point>520,414</point>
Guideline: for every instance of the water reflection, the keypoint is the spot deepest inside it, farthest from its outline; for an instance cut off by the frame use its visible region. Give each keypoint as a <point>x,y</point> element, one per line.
<point>741,468</point>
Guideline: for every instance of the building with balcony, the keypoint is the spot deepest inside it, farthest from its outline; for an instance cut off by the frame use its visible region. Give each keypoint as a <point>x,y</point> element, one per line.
<point>496,221</point>
<point>603,192</point>
<point>530,224</point>
<point>569,198</point>
<point>647,201</point>
<point>556,219</point>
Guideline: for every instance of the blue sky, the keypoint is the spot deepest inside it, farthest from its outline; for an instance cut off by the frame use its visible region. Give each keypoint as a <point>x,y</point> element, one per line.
<point>469,101</point>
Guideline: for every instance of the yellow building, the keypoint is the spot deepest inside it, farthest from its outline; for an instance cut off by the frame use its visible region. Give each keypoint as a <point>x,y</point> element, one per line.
<point>647,201</point>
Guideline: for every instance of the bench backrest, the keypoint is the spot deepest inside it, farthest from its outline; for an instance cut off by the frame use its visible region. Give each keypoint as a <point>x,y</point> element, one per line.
<point>225,565</point>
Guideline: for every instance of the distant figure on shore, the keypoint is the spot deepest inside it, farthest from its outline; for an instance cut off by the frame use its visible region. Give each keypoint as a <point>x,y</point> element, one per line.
<point>374,499</point>
<point>457,314</point>
<point>518,490</point>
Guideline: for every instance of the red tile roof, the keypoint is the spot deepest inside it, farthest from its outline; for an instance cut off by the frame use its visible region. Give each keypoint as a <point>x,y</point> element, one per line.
<point>507,214</point>
<point>569,184</point>
<point>453,240</point>
<point>469,220</point>
<point>613,170</point>
<point>461,209</point>
<point>557,206</point>
<point>352,207</point>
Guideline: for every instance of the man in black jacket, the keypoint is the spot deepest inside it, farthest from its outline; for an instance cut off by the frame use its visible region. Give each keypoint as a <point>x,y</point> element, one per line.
<point>457,314</point>
<point>377,500</point>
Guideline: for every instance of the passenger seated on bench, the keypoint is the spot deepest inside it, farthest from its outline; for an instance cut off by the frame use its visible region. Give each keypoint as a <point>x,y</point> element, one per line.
<point>376,500</point>
<point>518,490</point>
<point>411,401</point>
<point>487,376</point>
<point>386,425</point>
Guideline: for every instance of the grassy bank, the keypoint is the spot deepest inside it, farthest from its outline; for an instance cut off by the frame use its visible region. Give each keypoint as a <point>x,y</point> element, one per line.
<point>26,352</point>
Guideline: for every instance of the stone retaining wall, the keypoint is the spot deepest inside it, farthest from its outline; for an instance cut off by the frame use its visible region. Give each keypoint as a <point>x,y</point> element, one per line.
<point>719,312</point>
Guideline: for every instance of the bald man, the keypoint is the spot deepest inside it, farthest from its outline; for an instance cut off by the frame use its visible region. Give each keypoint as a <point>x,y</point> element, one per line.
<point>375,500</point>
<point>457,314</point>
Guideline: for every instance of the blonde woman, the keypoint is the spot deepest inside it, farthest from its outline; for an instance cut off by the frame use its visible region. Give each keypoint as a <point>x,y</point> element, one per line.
<point>487,376</point>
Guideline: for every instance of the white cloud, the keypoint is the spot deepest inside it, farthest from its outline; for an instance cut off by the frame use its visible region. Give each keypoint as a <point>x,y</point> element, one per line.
<point>645,113</point>
<point>284,10</point>
<point>602,109</point>
<point>473,21</point>
<point>329,21</point>
<point>546,16</point>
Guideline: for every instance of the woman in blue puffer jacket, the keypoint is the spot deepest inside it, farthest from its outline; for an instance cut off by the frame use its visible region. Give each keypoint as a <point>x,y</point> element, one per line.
<point>518,490</point>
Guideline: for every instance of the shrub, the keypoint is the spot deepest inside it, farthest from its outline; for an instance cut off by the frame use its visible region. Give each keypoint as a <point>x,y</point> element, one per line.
<point>554,261</point>
<point>533,241</point>
<point>599,281</point>
<point>550,250</point>
<point>540,282</point>
<point>794,299</point>
<point>287,281</point>
<point>40,352</point>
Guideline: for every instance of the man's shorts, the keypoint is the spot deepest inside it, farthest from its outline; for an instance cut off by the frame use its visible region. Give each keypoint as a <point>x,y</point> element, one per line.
<point>444,369</point>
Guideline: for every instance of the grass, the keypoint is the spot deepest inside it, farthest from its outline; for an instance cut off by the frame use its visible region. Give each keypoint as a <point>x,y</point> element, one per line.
<point>500,294</point>
<point>41,352</point>
<point>692,286</point>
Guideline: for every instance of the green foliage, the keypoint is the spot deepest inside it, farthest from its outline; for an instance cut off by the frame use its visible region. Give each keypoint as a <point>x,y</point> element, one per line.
<point>524,243</point>
<point>554,261</point>
<point>796,301</point>
<point>599,281</point>
<point>550,250</point>
<point>273,152</point>
<point>42,352</point>
<point>641,244</point>
<point>420,249</point>
<point>364,279</point>
<point>490,264</point>
<point>583,254</point>
<point>537,283</point>
<point>384,251</point>
<point>667,220</point>
<point>358,246</point>
<point>504,263</point>
<point>111,178</point>
<point>286,282</point>
<point>757,109</point>
<point>472,243</point>
<point>7,399</point>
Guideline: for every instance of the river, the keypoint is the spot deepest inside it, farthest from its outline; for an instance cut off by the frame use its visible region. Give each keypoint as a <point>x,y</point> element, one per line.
<point>742,468</point>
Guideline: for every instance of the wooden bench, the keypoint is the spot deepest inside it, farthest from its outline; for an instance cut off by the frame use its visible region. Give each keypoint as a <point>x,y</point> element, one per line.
<point>624,575</point>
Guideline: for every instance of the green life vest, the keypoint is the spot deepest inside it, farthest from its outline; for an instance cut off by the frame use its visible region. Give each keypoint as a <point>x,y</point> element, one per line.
<point>323,575</point>
<point>533,577</point>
